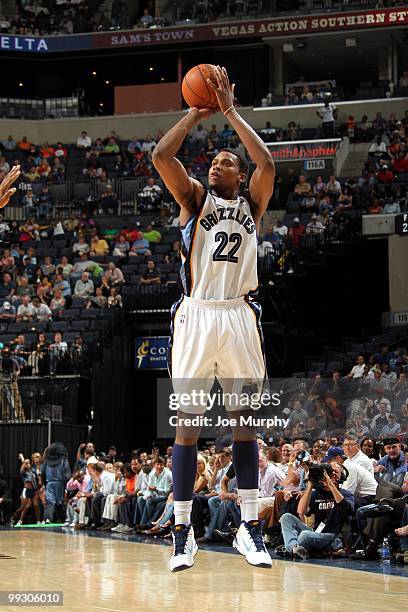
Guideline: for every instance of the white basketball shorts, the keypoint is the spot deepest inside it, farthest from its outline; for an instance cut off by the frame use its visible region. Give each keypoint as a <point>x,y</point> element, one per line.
<point>216,339</point>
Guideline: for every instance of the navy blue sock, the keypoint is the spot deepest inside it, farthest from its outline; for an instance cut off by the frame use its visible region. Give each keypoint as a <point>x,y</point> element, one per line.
<point>245,458</point>
<point>184,471</point>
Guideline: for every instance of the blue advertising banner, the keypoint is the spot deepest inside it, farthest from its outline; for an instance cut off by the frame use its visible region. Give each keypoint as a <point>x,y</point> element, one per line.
<point>151,353</point>
<point>46,44</point>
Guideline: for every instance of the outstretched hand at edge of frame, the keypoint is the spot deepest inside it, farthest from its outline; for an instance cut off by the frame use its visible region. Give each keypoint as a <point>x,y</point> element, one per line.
<point>6,191</point>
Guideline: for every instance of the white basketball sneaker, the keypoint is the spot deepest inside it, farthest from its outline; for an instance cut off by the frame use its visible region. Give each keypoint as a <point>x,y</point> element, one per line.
<point>249,542</point>
<point>184,548</point>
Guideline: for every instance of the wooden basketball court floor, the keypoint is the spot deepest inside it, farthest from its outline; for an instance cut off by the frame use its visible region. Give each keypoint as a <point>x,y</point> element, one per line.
<point>116,573</point>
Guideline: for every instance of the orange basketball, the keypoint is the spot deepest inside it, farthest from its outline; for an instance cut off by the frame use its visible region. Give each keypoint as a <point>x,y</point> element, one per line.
<point>196,91</point>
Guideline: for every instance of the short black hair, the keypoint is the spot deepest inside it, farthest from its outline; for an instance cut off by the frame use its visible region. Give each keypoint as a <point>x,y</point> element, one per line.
<point>243,164</point>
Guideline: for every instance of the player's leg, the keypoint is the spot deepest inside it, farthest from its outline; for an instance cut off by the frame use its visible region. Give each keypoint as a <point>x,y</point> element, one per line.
<point>191,367</point>
<point>242,361</point>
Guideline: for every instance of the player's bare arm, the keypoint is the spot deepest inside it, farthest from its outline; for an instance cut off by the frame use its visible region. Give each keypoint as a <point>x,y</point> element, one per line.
<point>261,183</point>
<point>6,191</point>
<point>186,191</point>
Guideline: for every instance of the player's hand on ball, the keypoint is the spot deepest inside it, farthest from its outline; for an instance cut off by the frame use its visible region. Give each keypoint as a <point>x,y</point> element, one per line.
<point>5,191</point>
<point>223,90</point>
<point>201,114</point>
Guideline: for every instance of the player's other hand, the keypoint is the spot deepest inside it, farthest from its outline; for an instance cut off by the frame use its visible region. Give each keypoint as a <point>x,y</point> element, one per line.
<point>6,191</point>
<point>223,90</point>
<point>201,114</point>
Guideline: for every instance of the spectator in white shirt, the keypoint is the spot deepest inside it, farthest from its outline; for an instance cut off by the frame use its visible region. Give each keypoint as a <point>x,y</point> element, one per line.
<point>26,311</point>
<point>42,311</point>
<point>269,476</point>
<point>280,229</point>
<point>359,481</point>
<point>357,371</point>
<point>84,141</point>
<point>200,134</point>
<point>378,146</point>
<point>353,453</point>
<point>148,145</point>
<point>81,246</point>
<point>328,114</point>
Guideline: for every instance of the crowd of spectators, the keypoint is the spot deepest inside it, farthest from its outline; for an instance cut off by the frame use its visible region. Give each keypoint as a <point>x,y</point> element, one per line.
<point>352,484</point>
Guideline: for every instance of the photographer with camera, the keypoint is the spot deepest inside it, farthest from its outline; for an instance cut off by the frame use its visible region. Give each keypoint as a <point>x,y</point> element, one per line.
<point>331,507</point>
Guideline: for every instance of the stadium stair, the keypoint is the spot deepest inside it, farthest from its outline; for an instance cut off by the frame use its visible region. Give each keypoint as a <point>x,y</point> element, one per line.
<point>355,160</point>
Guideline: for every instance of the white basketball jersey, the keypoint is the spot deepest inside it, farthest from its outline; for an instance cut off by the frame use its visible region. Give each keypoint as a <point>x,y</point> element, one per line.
<point>219,250</point>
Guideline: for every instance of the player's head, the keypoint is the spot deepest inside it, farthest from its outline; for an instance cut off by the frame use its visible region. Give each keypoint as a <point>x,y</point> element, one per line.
<point>228,172</point>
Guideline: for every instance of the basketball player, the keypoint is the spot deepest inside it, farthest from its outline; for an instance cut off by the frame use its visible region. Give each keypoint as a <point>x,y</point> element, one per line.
<point>215,324</point>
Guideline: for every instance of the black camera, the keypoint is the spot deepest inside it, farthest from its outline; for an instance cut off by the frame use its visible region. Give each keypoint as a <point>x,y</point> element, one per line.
<point>302,454</point>
<point>316,473</point>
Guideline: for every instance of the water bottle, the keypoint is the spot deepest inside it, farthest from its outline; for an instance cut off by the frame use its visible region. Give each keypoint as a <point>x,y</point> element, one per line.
<point>385,552</point>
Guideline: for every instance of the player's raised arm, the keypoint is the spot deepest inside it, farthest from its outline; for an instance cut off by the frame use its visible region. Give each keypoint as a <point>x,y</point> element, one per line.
<point>6,191</point>
<point>261,183</point>
<point>186,191</point>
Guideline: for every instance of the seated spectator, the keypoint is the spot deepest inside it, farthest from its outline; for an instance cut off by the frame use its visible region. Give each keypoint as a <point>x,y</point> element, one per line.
<point>81,246</point>
<point>84,287</point>
<point>109,202</point>
<point>357,370</point>
<point>9,144</point>
<point>83,141</point>
<point>23,289</point>
<point>151,276</point>
<point>400,163</point>
<point>8,311</point>
<point>140,247</point>
<point>46,150</point>
<point>111,148</point>
<point>4,165</point>
<point>333,187</point>
<point>385,175</point>
<point>315,227</point>
<point>148,144</point>
<point>134,145</point>
<point>146,20</point>
<point>308,203</point>
<point>26,310</point>
<point>152,235</point>
<point>375,208</point>
<point>24,145</point>
<point>60,151</point>
<point>377,147</point>
<point>58,301</point>
<point>114,275</point>
<point>114,299</point>
<point>151,195</point>
<point>64,267</point>
<point>121,247</point>
<point>392,428</point>
<point>42,311</point>
<point>48,267</point>
<point>303,188</point>
<point>98,300</point>
<point>319,185</point>
<point>99,246</point>
<point>7,262</point>
<point>8,287</point>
